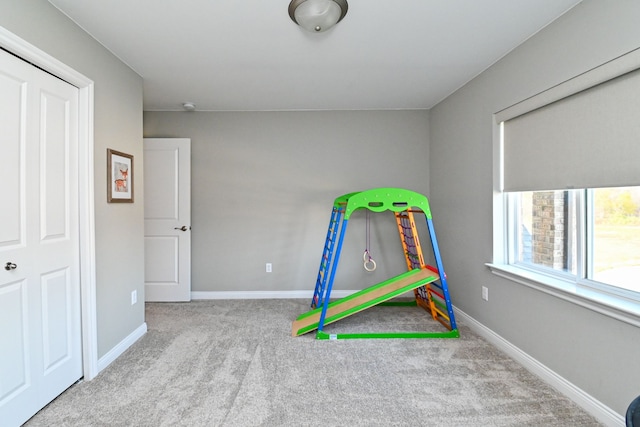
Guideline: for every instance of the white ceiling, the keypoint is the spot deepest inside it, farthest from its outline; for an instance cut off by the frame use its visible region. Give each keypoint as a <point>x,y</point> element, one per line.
<point>241,55</point>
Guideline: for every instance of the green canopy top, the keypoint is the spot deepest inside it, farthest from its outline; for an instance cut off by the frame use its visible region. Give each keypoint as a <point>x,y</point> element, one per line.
<point>382,199</point>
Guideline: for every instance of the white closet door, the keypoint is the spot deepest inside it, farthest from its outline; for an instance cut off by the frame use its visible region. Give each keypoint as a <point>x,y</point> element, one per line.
<point>40,324</point>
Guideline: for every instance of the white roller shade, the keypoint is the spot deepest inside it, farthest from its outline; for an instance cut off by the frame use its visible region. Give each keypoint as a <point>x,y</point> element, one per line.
<point>586,140</point>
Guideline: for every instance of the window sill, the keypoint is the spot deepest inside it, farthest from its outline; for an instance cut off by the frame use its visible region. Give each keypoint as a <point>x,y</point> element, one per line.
<point>613,306</point>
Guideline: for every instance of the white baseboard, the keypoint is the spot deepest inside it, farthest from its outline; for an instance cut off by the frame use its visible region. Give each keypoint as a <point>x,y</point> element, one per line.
<point>122,346</point>
<point>263,294</point>
<point>603,413</point>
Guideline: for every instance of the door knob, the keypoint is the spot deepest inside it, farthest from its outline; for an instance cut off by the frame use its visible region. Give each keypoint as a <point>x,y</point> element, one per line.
<point>10,266</point>
<point>183,228</point>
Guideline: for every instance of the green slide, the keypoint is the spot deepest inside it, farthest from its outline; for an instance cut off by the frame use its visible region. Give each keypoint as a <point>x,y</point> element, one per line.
<point>363,299</point>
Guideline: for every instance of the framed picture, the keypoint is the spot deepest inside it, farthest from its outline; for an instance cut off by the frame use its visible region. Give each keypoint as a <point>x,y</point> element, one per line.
<point>119,177</point>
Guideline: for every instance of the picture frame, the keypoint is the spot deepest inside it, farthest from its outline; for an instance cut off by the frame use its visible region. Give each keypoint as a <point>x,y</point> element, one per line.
<point>119,177</point>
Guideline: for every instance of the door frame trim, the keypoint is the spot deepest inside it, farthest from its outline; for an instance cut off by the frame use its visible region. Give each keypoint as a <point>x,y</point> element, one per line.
<point>36,56</point>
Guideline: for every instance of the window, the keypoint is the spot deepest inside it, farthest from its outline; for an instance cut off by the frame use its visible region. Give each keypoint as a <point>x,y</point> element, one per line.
<point>615,237</point>
<point>567,190</point>
<point>590,238</point>
<point>544,231</point>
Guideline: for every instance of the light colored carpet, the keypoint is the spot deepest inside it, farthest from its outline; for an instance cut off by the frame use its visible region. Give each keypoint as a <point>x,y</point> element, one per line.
<point>234,363</point>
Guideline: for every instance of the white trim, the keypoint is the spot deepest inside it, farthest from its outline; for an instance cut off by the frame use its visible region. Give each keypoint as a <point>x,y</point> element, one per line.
<point>87,239</point>
<point>31,53</point>
<point>498,199</point>
<point>199,295</point>
<point>122,346</point>
<point>583,399</point>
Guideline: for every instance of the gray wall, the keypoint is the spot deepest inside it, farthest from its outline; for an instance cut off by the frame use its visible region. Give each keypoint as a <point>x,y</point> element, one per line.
<point>263,185</point>
<point>117,125</point>
<point>595,352</point>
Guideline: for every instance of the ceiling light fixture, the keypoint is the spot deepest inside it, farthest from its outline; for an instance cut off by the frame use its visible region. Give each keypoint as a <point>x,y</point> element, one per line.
<point>317,15</point>
<point>189,106</point>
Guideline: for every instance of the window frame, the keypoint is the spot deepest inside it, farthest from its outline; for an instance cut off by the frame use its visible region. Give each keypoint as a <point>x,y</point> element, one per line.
<point>578,289</point>
<point>590,263</point>
<point>512,242</point>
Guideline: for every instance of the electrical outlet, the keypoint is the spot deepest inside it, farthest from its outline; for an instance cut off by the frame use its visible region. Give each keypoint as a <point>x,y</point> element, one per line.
<point>269,267</point>
<point>485,293</point>
<point>134,297</point>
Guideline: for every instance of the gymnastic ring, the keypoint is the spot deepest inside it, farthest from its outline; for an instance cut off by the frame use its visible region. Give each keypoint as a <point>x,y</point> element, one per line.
<point>368,263</point>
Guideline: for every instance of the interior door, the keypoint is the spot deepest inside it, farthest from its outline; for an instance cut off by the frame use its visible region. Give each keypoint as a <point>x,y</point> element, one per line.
<point>40,323</point>
<point>167,224</point>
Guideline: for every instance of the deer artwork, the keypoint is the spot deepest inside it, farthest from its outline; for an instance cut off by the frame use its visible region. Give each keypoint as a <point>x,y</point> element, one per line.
<point>121,184</point>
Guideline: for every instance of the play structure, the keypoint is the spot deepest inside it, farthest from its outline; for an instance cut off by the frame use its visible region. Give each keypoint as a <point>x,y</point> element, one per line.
<point>428,283</point>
